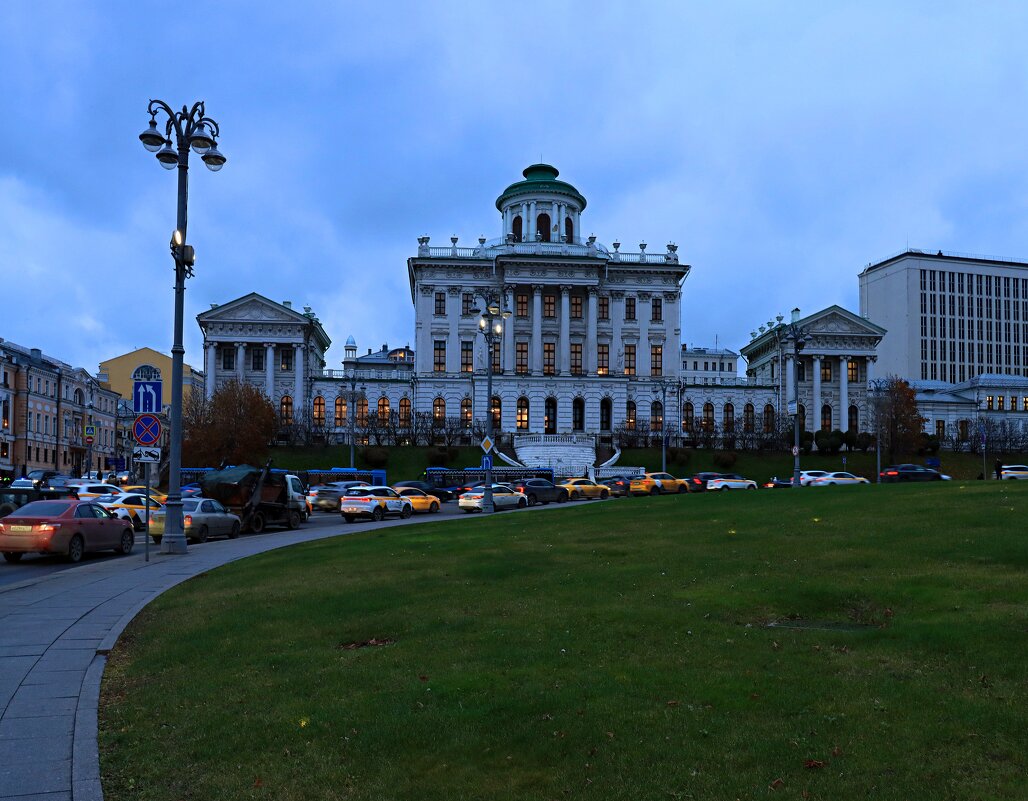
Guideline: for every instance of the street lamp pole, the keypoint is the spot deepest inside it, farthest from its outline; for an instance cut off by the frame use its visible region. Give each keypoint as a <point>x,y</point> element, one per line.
<point>192,129</point>
<point>798,337</point>
<point>664,384</point>
<point>490,323</point>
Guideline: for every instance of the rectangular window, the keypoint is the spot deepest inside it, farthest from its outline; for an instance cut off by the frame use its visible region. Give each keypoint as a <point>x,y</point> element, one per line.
<point>603,313</point>
<point>440,304</point>
<point>576,307</point>
<point>989,402</point>
<point>1001,402</point>
<point>466,303</point>
<point>257,359</point>
<point>656,360</point>
<point>287,358</point>
<point>656,310</point>
<point>497,368</point>
<point>826,370</point>
<point>439,356</point>
<point>549,358</point>
<point>228,359</point>
<point>852,371</point>
<point>576,358</point>
<point>603,360</point>
<point>629,359</point>
<point>940,429</point>
<point>629,308</point>
<point>521,305</point>
<point>467,357</point>
<point>549,305</point>
<point>521,357</point>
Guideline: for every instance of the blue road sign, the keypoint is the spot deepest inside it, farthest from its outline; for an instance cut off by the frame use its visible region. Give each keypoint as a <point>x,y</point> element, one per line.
<point>487,462</point>
<point>147,430</point>
<point>146,397</point>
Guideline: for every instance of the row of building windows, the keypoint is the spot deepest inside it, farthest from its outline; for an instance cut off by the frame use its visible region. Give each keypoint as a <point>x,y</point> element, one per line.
<point>827,370</point>
<point>467,306</point>
<point>999,403</point>
<point>467,359</point>
<point>955,282</point>
<point>257,360</point>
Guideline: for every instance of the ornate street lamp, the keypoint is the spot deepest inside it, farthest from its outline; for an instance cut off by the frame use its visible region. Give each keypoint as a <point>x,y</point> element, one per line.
<point>192,129</point>
<point>490,325</point>
<point>350,367</point>
<point>664,384</point>
<point>798,337</point>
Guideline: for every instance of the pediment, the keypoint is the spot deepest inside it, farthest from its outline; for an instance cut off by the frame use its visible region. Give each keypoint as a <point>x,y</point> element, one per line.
<point>249,309</point>
<point>837,320</point>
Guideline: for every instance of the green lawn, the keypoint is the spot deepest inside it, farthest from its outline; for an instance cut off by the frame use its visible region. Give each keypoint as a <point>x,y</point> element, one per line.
<point>618,650</point>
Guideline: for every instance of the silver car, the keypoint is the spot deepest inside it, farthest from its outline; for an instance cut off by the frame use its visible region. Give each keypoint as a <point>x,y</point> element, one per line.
<point>201,518</point>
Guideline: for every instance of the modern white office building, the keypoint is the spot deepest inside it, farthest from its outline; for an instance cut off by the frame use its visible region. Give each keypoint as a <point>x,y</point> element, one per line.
<point>949,317</point>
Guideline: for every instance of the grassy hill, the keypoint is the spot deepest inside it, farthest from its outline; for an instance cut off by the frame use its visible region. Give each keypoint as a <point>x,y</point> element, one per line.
<point>837,644</point>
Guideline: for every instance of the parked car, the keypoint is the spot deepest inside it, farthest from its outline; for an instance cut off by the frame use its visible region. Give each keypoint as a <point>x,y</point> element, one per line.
<point>539,490</point>
<point>841,478</point>
<point>89,491</point>
<point>326,497</point>
<point>657,483</point>
<point>910,472</point>
<point>730,481</point>
<point>66,526</point>
<point>130,506</point>
<point>12,497</point>
<point>618,485</point>
<point>504,497</point>
<point>698,482</point>
<point>440,493</point>
<point>420,500</point>
<point>807,477</point>
<point>778,483</point>
<point>584,488</point>
<point>375,503</point>
<point>40,478</point>
<point>1013,472</point>
<point>140,489</point>
<point>201,518</point>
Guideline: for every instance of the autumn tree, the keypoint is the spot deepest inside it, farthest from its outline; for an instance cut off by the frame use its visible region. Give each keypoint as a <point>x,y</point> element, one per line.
<point>235,426</point>
<point>898,421</point>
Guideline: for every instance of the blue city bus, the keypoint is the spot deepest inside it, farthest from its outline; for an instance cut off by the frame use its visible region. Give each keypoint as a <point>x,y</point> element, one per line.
<point>460,480</point>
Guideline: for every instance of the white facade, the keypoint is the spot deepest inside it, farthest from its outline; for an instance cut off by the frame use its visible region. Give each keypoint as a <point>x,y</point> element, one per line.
<point>949,317</point>
<point>709,366</point>
<point>592,334</point>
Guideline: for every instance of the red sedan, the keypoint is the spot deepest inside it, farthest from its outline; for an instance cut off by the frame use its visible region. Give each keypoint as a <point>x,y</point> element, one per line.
<point>67,526</point>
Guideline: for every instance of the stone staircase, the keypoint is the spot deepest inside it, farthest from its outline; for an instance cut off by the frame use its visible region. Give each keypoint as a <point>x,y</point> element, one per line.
<point>567,455</point>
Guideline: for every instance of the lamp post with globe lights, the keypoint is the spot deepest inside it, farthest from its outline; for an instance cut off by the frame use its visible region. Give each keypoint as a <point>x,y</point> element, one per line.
<point>192,129</point>
<point>490,324</point>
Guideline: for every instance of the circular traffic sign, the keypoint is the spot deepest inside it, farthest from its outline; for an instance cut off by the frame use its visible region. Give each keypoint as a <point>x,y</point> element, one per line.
<point>795,451</point>
<point>147,429</point>
<point>89,440</point>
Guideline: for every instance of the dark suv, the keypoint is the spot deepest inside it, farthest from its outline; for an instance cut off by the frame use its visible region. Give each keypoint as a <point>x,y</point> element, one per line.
<point>698,483</point>
<point>12,498</point>
<point>539,490</point>
<point>909,472</point>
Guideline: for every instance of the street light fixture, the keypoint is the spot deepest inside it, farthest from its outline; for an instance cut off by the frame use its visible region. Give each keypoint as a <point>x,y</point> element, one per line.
<point>350,366</point>
<point>192,128</point>
<point>490,325</point>
<point>664,384</point>
<point>798,337</point>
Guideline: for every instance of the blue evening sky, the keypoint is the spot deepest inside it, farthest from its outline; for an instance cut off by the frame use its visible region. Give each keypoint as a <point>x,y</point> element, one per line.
<point>783,146</point>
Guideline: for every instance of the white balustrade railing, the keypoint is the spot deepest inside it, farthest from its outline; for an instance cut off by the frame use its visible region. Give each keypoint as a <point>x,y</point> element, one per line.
<point>586,440</point>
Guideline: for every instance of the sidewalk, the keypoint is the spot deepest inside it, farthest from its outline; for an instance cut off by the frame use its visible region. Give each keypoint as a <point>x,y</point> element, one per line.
<point>55,633</point>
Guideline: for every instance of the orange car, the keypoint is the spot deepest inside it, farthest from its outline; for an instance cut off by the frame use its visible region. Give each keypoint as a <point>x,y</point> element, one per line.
<point>420,500</point>
<point>585,488</point>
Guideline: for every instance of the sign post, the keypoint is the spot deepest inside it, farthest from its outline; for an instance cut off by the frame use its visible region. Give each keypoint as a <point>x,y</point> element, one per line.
<point>146,528</point>
<point>146,455</point>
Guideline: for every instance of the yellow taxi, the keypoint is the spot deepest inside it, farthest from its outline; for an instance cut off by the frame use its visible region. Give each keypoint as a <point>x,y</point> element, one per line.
<point>130,506</point>
<point>1014,472</point>
<point>420,500</point>
<point>579,488</point>
<point>140,489</point>
<point>656,483</point>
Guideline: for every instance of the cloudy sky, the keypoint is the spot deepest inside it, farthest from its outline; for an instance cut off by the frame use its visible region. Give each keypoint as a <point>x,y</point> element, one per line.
<point>783,146</point>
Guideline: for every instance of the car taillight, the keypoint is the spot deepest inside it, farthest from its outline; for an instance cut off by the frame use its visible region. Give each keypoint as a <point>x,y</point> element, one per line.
<point>695,481</point>
<point>49,528</point>
<point>187,520</point>
<point>891,473</point>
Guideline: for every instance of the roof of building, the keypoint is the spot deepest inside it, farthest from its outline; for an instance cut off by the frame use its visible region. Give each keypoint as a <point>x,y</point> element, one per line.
<point>540,178</point>
<point>387,355</point>
<point>709,351</point>
<point>944,256</point>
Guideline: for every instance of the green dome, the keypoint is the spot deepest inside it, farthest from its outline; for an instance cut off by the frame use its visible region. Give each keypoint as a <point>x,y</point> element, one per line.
<point>539,179</point>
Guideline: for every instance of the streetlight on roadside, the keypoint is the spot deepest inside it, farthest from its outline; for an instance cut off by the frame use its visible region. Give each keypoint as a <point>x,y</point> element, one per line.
<point>350,366</point>
<point>798,337</point>
<point>490,325</point>
<point>192,129</point>
<point>878,387</point>
<point>664,384</point>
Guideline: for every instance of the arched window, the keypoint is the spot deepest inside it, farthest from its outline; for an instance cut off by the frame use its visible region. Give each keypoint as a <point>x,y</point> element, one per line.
<point>550,416</point>
<point>708,416</point>
<point>522,421</point>
<point>747,418</point>
<point>728,418</point>
<point>656,416</point>
<point>853,421</point>
<point>826,418</point>
<point>285,410</point>
<point>438,410</point>
<point>630,415</point>
<point>769,418</point>
<point>516,228</point>
<point>801,415</point>
<point>542,225</point>
<point>405,412</point>
<point>606,413</point>
<point>383,411</point>
<point>319,411</point>
<point>362,411</point>
<point>688,416</point>
<point>578,414</point>
<point>465,412</point>
<point>496,408</point>
<point>146,372</point>
<point>569,229</point>
<point>340,412</point>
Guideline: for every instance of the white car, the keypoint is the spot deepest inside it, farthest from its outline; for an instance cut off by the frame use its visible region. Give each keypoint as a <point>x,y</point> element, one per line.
<point>807,477</point>
<point>1014,472</point>
<point>831,479</point>
<point>373,503</point>
<point>504,497</point>
<point>730,481</point>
